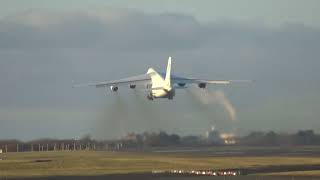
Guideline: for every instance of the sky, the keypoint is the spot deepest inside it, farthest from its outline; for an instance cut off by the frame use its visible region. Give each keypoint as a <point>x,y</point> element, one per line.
<point>272,12</point>
<point>45,45</point>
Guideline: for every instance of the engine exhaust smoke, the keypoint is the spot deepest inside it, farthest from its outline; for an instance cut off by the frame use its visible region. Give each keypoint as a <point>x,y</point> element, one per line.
<point>216,97</point>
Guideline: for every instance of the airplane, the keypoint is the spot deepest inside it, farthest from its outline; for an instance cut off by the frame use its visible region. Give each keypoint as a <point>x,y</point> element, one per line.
<point>159,85</point>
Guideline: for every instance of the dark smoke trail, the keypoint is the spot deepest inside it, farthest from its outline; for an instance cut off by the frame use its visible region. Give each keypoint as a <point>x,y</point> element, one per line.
<point>111,123</point>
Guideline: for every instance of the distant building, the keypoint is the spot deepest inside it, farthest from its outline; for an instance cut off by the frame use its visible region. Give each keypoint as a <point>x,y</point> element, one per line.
<point>228,138</point>
<point>213,136</point>
<point>130,137</point>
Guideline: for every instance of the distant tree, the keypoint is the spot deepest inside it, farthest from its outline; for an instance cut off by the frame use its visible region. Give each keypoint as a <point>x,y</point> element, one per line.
<point>164,138</point>
<point>305,137</point>
<point>160,139</point>
<point>271,138</point>
<point>254,138</point>
<point>190,140</point>
<point>175,139</point>
<point>151,139</point>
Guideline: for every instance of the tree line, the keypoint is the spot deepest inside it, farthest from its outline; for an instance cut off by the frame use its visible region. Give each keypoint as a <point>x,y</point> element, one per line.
<point>256,138</point>
<point>161,139</point>
<point>271,138</point>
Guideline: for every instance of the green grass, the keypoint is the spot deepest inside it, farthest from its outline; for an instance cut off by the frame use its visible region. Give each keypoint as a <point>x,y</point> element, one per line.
<point>295,173</point>
<point>99,163</point>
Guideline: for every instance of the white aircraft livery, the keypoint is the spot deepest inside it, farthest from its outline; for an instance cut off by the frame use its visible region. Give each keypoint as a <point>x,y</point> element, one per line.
<point>158,85</point>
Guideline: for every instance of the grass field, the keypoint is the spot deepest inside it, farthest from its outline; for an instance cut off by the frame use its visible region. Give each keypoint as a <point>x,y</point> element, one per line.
<point>100,163</point>
<point>296,173</point>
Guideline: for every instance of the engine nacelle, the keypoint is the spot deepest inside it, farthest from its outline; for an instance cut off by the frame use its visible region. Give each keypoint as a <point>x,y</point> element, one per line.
<point>202,85</point>
<point>181,84</point>
<point>114,88</point>
<point>132,86</point>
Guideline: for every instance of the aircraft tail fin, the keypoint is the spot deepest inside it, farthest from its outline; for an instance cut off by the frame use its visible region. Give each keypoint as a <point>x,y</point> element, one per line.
<point>168,73</point>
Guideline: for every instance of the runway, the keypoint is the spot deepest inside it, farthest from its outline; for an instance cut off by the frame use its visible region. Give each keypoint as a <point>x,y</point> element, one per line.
<point>149,176</point>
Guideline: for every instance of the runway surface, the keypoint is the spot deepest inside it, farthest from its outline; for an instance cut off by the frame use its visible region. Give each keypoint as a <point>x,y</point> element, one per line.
<point>148,176</point>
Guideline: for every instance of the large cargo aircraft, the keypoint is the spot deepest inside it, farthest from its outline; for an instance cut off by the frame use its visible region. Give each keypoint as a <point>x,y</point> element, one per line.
<point>158,85</point>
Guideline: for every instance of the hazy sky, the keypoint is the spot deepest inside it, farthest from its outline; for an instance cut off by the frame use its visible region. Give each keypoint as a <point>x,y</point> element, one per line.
<point>274,12</point>
<point>44,45</point>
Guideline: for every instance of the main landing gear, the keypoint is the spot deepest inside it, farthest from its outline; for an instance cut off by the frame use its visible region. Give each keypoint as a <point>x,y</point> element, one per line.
<point>150,96</point>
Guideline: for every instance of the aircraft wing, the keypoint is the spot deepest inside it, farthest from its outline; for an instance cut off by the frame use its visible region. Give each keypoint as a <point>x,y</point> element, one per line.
<point>187,80</point>
<point>134,80</point>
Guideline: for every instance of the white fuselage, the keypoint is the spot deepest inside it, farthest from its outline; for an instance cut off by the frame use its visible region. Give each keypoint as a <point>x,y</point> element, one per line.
<point>160,87</point>
<point>159,93</point>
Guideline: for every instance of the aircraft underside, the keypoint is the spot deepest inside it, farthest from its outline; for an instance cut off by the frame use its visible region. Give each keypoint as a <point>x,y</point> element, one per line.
<point>161,94</point>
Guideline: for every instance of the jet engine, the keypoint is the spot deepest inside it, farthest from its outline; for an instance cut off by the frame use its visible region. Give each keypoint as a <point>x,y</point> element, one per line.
<point>132,86</point>
<point>181,84</point>
<point>202,85</point>
<point>114,88</point>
